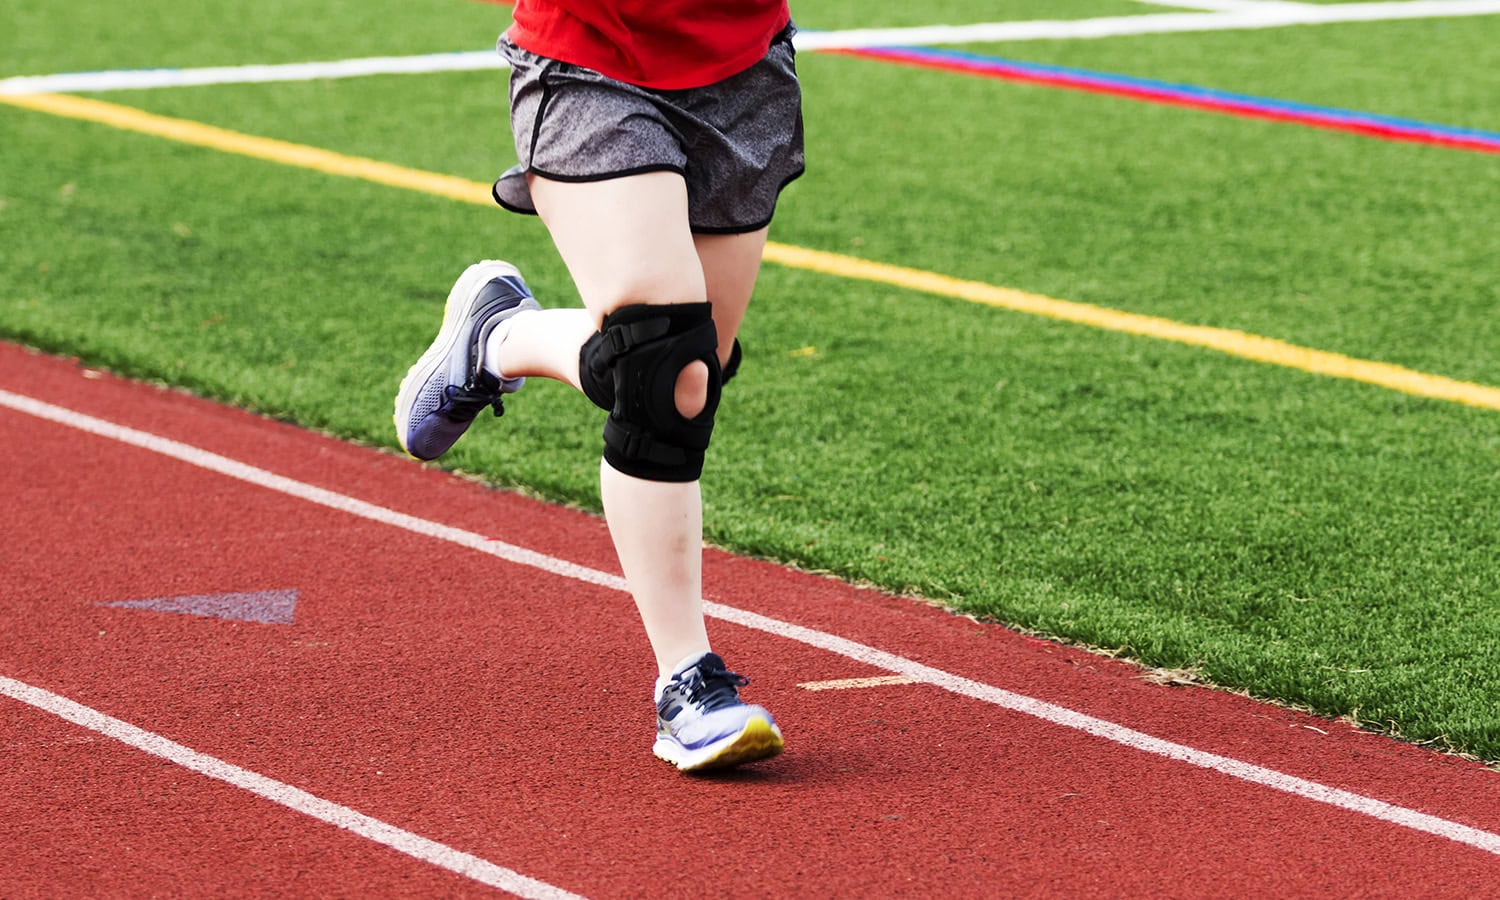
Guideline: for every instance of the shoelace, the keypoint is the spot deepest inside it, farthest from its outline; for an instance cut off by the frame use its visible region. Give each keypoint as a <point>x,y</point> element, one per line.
<point>465,402</point>
<point>712,689</point>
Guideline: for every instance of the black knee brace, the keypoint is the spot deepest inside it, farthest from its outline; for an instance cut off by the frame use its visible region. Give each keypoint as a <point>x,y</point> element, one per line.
<point>599,385</point>
<point>630,368</point>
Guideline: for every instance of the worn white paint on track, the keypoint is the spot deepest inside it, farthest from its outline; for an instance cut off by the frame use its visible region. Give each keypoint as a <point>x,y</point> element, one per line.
<point>871,656</point>
<point>849,684</point>
<point>1220,15</point>
<point>399,839</point>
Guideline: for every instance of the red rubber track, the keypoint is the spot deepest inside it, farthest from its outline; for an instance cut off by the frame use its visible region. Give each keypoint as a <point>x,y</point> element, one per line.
<point>505,711</point>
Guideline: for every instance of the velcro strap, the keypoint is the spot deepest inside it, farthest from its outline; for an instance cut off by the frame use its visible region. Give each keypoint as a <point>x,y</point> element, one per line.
<point>621,338</point>
<point>635,443</point>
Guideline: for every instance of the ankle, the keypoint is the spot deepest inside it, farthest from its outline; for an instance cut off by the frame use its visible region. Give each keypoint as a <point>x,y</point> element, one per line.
<point>665,675</point>
<point>491,358</point>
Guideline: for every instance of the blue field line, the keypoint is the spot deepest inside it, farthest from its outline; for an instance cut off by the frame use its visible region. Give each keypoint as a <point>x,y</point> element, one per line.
<point>1190,92</point>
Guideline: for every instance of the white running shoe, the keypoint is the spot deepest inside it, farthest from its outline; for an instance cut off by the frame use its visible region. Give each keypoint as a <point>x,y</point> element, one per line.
<point>701,723</point>
<point>447,387</point>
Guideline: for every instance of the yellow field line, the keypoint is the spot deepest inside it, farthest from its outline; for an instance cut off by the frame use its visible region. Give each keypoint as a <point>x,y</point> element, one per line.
<point>1224,340</point>
<point>300,155</point>
<point>1233,343</point>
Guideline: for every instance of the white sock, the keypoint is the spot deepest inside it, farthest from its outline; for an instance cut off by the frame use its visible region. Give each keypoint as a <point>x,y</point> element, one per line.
<point>490,358</point>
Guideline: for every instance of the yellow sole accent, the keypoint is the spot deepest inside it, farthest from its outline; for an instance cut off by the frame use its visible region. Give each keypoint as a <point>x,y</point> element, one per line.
<point>758,741</point>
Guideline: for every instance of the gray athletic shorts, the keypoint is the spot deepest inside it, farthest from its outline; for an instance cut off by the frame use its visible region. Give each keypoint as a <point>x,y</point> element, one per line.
<point>737,143</point>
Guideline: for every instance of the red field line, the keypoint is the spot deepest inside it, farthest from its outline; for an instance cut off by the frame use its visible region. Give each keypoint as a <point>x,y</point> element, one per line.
<point>1106,84</point>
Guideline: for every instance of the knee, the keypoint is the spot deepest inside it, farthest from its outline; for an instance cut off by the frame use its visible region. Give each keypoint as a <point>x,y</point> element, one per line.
<point>691,393</point>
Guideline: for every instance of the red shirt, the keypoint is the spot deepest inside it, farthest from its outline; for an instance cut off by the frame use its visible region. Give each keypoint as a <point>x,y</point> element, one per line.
<point>663,44</point>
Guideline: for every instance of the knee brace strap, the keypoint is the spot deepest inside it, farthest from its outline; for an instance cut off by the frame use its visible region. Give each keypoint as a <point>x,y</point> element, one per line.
<point>630,367</point>
<point>599,384</point>
<point>733,366</point>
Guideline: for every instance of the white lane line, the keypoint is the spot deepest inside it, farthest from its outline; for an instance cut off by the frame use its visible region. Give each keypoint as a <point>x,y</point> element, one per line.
<point>846,684</point>
<point>413,845</point>
<point>875,658</point>
<point>1224,15</point>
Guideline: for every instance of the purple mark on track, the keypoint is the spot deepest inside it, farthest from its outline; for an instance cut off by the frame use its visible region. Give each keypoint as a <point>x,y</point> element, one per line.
<point>265,607</point>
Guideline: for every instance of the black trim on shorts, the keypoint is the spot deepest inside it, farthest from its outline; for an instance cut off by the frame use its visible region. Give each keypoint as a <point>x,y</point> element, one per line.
<point>746,229</point>
<point>606,176</point>
<point>541,112</point>
<point>731,229</point>
<point>495,194</point>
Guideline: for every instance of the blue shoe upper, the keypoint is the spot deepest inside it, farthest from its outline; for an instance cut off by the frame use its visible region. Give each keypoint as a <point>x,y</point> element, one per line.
<point>459,387</point>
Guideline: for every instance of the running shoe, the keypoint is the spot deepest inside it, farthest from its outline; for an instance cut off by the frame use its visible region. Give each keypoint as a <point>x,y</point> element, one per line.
<point>446,389</point>
<point>701,722</point>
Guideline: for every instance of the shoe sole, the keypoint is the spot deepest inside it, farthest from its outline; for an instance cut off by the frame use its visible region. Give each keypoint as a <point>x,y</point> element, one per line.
<point>454,311</point>
<point>758,740</point>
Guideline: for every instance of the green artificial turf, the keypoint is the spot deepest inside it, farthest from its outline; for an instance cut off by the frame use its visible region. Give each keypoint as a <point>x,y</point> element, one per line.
<point>46,37</point>
<point>1311,540</point>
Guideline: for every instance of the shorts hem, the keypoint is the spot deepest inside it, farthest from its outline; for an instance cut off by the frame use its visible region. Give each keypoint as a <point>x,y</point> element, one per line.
<point>510,207</point>
<point>606,176</point>
<point>746,229</point>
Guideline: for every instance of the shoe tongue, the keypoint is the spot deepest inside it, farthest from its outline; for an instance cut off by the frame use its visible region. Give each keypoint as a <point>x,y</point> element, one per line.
<point>681,668</point>
<point>689,662</point>
<point>486,382</point>
<point>709,664</point>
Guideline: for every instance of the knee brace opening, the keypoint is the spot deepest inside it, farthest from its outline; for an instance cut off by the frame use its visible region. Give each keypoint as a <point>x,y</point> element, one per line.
<point>633,364</point>
<point>691,389</point>
<point>599,385</point>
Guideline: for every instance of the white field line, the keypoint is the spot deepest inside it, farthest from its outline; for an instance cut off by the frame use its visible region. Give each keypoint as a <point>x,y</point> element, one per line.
<point>1226,15</point>
<point>1222,5</point>
<point>875,658</point>
<point>413,845</point>
<point>134,79</point>
<point>1162,23</point>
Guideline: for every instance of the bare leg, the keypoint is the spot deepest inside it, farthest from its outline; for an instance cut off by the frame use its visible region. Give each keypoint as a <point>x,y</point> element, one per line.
<point>549,340</point>
<point>540,343</point>
<point>626,241</point>
<point>731,263</point>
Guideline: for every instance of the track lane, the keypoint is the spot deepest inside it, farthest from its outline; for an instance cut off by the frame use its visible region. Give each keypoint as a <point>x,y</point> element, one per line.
<point>453,696</point>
